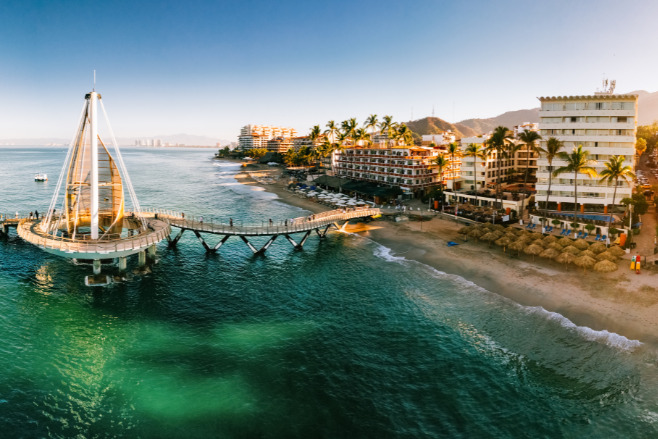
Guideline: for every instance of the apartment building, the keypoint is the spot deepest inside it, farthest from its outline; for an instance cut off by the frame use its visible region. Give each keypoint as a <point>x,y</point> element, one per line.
<point>411,168</point>
<point>257,136</point>
<point>605,124</point>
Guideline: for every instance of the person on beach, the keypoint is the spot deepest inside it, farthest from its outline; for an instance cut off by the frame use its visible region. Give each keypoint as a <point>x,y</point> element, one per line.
<point>270,221</point>
<point>182,215</point>
<point>36,214</point>
<point>230,222</point>
<point>201,219</point>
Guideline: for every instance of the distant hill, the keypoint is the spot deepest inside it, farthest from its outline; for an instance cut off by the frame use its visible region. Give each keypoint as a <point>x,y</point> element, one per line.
<point>647,113</point>
<point>508,119</point>
<point>434,125</point>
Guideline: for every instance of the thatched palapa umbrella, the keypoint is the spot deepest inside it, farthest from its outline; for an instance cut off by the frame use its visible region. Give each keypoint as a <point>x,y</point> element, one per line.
<point>585,262</point>
<point>539,242</point>
<point>550,239</point>
<point>475,233</point>
<point>556,246</point>
<point>564,242</point>
<point>517,246</point>
<point>549,253</point>
<point>503,242</point>
<point>617,251</point>
<point>581,244</point>
<point>565,258</point>
<point>589,253</point>
<point>489,237</point>
<point>607,256</point>
<point>605,266</point>
<point>598,247</point>
<point>571,249</point>
<point>465,230</point>
<point>533,250</point>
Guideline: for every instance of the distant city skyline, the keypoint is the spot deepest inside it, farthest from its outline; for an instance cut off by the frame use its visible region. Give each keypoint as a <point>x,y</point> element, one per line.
<point>208,68</point>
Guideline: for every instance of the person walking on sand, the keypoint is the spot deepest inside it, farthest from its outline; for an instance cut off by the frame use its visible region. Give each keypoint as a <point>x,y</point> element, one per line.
<point>36,214</point>
<point>230,222</point>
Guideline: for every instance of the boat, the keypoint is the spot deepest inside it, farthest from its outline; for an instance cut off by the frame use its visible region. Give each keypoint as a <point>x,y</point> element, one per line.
<point>41,177</point>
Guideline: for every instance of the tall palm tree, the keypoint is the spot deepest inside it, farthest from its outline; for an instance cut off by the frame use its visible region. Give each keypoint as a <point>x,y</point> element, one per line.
<point>349,129</point>
<point>371,122</point>
<point>529,139</point>
<point>332,130</point>
<point>454,151</point>
<point>404,134</point>
<point>385,126</point>
<point>613,172</point>
<point>553,147</point>
<point>441,162</point>
<point>360,134</point>
<point>578,163</point>
<point>498,142</point>
<point>314,134</point>
<point>475,150</point>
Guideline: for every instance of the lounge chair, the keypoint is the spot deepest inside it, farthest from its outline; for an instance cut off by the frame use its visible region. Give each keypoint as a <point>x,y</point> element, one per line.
<point>585,235</point>
<point>580,234</point>
<point>564,232</point>
<point>598,237</point>
<point>549,229</point>
<point>603,238</point>
<point>529,226</point>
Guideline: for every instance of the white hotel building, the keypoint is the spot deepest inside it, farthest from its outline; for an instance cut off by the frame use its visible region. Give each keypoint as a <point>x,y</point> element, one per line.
<point>605,125</point>
<point>257,136</point>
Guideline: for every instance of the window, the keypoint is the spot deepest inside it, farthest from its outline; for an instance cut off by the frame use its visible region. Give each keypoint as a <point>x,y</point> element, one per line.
<point>598,105</point>
<point>622,119</point>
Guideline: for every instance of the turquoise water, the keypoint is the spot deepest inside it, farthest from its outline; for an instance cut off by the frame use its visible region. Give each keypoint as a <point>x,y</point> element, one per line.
<point>342,339</point>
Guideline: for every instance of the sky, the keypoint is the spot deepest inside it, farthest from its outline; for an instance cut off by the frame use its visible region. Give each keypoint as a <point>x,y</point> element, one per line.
<point>209,67</point>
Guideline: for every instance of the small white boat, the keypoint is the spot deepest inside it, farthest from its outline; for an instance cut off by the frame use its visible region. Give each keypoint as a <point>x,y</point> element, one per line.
<point>41,177</point>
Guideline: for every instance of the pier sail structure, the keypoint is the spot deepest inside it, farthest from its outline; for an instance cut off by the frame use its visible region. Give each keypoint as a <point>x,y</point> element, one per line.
<point>88,216</point>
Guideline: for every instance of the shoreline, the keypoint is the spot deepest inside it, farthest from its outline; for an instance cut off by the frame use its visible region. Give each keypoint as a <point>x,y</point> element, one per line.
<point>624,303</point>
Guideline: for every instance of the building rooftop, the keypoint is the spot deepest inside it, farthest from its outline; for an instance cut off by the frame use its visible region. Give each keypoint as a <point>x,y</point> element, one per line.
<point>596,97</point>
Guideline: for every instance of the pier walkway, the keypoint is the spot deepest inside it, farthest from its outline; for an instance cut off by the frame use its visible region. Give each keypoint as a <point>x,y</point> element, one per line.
<point>320,223</point>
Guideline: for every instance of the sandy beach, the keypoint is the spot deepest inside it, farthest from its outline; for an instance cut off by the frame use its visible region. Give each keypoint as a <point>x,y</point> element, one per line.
<point>620,302</point>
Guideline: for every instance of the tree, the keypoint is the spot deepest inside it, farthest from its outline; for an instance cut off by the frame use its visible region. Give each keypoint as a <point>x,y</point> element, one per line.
<point>386,126</point>
<point>613,172</point>
<point>361,135</point>
<point>578,163</point>
<point>529,139</point>
<point>331,131</point>
<point>349,129</point>
<point>650,134</point>
<point>257,153</point>
<point>403,135</point>
<point>371,122</point>
<point>475,150</point>
<point>553,147</point>
<point>498,142</point>
<point>454,151</point>
<point>640,146</point>
<point>314,134</point>
<point>441,162</point>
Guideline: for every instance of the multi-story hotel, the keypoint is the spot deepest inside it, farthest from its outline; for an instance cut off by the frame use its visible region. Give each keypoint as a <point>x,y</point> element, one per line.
<point>411,168</point>
<point>605,124</point>
<point>257,136</point>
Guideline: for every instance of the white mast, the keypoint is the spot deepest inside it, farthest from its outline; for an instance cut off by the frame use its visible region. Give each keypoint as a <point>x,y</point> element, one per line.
<point>93,100</point>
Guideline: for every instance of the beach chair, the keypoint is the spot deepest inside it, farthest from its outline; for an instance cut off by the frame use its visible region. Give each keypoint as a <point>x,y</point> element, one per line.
<point>580,234</point>
<point>549,229</point>
<point>585,235</point>
<point>563,232</point>
<point>603,237</point>
<point>529,226</point>
<point>598,237</point>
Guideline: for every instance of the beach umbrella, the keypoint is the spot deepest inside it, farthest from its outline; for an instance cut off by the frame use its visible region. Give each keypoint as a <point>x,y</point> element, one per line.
<point>589,253</point>
<point>605,266</point>
<point>555,245</point>
<point>549,253</point>
<point>533,250</point>
<point>549,239</point>
<point>539,242</point>
<point>489,237</point>
<point>517,246</point>
<point>617,251</point>
<point>584,262</point>
<point>607,256</point>
<point>598,247</point>
<point>571,249</point>
<point>499,227</point>
<point>475,233</point>
<point>565,258</point>
<point>503,242</point>
<point>565,242</point>
<point>465,230</point>
<point>581,244</point>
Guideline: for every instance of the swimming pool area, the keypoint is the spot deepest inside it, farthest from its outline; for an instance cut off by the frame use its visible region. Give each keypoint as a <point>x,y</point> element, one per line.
<point>588,216</point>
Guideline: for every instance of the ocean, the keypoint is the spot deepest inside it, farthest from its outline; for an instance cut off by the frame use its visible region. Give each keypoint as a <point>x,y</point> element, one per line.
<point>344,339</point>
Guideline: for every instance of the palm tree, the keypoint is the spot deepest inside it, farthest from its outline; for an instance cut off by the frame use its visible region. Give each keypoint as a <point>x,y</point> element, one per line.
<point>553,147</point>
<point>453,150</point>
<point>529,139</point>
<point>615,170</point>
<point>371,122</point>
<point>332,130</point>
<point>349,129</point>
<point>360,134</point>
<point>441,162</point>
<point>314,134</point>
<point>578,163</point>
<point>404,134</point>
<point>475,150</point>
<point>498,142</point>
<point>385,126</point>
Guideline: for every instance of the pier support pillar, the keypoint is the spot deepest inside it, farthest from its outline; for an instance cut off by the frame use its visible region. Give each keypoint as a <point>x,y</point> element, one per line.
<point>123,263</point>
<point>151,251</point>
<point>141,259</point>
<point>97,266</point>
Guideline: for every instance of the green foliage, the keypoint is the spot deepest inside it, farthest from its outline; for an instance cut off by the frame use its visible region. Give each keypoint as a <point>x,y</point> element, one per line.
<point>590,227</point>
<point>613,231</point>
<point>257,153</point>
<point>650,134</point>
<point>640,204</point>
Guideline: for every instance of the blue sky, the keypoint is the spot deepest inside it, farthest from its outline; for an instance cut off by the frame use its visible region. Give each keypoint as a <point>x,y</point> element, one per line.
<point>209,67</point>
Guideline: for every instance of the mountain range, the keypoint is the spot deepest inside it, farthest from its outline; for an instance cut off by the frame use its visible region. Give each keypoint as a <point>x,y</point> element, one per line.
<point>647,113</point>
